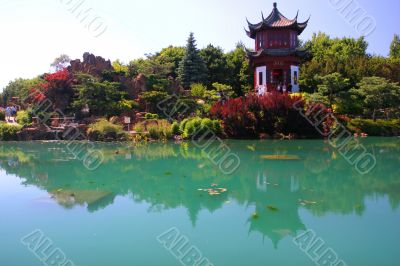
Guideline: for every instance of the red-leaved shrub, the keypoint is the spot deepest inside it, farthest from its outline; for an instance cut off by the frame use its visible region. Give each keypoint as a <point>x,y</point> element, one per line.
<point>273,113</point>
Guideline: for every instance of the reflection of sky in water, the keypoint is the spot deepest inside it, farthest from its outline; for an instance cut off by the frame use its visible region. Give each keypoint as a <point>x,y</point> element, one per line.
<point>142,191</point>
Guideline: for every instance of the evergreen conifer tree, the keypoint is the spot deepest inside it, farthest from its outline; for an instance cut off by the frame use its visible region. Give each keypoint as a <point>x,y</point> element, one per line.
<point>192,68</point>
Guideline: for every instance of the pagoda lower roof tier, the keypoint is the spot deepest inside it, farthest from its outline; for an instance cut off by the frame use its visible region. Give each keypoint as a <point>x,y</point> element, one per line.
<point>277,52</point>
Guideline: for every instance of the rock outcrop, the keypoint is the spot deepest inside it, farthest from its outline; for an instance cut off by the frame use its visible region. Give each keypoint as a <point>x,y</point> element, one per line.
<point>91,64</point>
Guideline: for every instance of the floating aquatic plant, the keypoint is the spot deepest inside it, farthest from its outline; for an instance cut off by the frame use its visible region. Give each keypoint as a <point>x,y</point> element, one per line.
<point>272,208</point>
<point>280,157</point>
<point>212,191</point>
<point>252,148</point>
<point>306,202</point>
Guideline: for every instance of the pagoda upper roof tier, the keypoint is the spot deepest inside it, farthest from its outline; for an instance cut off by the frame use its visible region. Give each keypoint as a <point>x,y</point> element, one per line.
<point>276,21</point>
<point>277,52</point>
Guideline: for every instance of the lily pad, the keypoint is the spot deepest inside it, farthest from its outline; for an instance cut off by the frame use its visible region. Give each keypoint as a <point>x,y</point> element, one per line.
<point>306,202</point>
<point>272,208</point>
<point>252,148</point>
<point>280,157</point>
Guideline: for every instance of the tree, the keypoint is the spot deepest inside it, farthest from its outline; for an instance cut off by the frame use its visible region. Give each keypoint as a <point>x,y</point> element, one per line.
<point>59,89</point>
<point>333,86</point>
<point>103,98</point>
<point>240,75</point>
<point>171,56</point>
<point>215,61</point>
<point>120,67</point>
<point>156,73</point>
<point>224,89</point>
<point>61,62</point>
<point>378,94</point>
<point>18,88</point>
<point>347,56</point>
<point>192,68</point>
<point>395,47</point>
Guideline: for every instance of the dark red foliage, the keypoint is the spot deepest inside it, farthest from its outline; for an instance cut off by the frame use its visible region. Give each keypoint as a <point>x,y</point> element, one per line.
<point>59,80</point>
<point>59,88</point>
<point>62,75</point>
<point>272,114</point>
<point>56,88</point>
<point>36,96</point>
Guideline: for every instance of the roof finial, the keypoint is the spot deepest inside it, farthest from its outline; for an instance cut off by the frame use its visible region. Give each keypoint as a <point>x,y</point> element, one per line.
<point>275,5</point>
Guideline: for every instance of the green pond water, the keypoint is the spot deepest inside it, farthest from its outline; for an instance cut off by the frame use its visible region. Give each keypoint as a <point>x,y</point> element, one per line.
<point>144,205</point>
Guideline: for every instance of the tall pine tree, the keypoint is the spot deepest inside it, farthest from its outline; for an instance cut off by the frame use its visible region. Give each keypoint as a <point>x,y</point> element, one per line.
<point>395,47</point>
<point>192,68</point>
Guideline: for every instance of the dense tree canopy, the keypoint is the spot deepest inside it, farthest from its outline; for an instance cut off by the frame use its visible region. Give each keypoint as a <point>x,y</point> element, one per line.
<point>103,98</point>
<point>216,63</point>
<point>240,73</point>
<point>378,94</point>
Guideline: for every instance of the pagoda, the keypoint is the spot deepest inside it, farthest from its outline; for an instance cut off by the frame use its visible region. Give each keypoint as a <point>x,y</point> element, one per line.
<point>276,56</point>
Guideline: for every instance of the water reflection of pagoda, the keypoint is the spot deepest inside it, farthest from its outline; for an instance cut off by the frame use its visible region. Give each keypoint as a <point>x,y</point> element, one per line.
<point>283,194</point>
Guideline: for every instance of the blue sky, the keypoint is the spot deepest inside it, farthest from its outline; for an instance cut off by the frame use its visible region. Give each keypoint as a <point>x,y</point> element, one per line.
<point>34,32</point>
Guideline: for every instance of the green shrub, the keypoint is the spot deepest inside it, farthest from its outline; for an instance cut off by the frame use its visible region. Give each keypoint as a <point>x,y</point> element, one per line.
<point>217,127</point>
<point>150,116</point>
<point>127,105</point>
<point>103,130</point>
<point>24,118</point>
<point>156,129</point>
<point>183,125</point>
<point>140,128</point>
<point>9,132</point>
<point>161,130</point>
<point>175,128</point>
<point>197,90</point>
<point>197,126</point>
<point>154,132</point>
<point>375,128</point>
<point>2,116</point>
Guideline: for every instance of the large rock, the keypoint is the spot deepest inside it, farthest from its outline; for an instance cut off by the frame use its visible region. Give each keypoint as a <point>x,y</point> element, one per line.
<point>91,64</point>
<point>138,86</point>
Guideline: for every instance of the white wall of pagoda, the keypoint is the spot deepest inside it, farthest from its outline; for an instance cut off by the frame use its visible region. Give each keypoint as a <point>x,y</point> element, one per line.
<point>294,70</point>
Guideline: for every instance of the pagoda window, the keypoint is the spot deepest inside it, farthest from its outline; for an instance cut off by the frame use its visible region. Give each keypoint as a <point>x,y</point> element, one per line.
<point>293,39</point>
<point>260,78</point>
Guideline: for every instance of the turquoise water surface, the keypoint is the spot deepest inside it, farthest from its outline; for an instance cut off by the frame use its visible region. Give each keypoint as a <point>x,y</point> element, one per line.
<point>288,203</point>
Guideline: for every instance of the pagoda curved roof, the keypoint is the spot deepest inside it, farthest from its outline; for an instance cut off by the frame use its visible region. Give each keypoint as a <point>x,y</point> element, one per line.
<point>276,21</point>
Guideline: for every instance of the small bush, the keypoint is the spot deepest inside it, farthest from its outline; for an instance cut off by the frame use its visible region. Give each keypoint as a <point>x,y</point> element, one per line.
<point>197,90</point>
<point>140,128</point>
<point>150,116</point>
<point>103,130</point>
<point>2,115</point>
<point>183,125</point>
<point>175,129</point>
<point>375,128</point>
<point>24,118</point>
<point>197,127</point>
<point>157,129</point>
<point>9,132</point>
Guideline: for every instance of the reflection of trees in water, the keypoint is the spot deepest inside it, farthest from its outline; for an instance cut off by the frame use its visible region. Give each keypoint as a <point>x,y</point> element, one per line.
<point>168,176</point>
